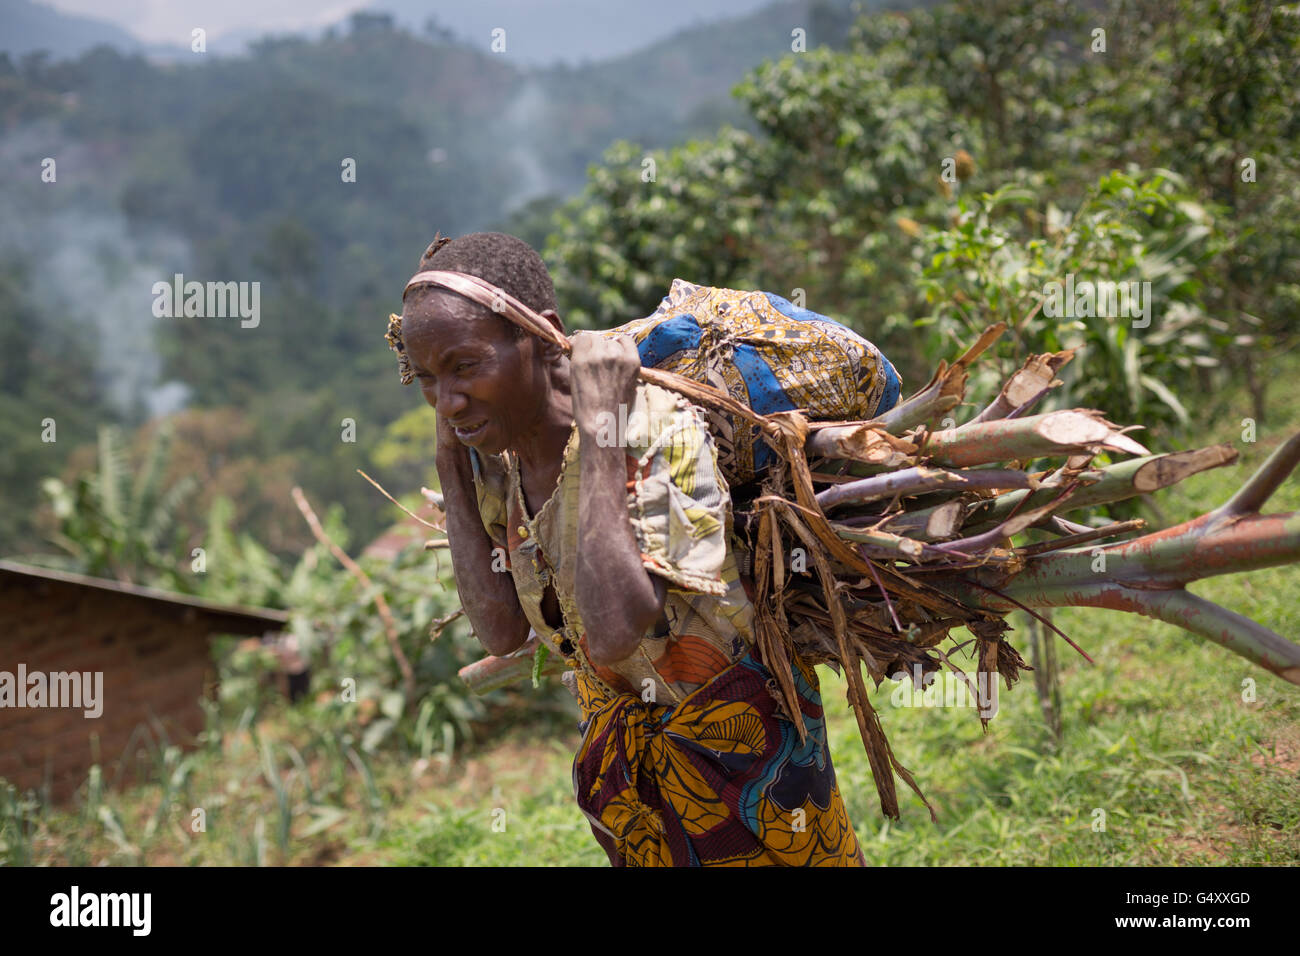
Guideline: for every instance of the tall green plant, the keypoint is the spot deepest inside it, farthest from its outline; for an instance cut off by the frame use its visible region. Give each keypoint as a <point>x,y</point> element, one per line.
<point>117,521</point>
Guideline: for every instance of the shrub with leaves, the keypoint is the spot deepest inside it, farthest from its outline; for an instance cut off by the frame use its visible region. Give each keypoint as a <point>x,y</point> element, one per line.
<point>1006,248</point>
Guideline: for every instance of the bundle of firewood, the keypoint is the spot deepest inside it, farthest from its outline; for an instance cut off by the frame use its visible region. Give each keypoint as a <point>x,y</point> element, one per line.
<point>908,531</point>
<point>914,535</point>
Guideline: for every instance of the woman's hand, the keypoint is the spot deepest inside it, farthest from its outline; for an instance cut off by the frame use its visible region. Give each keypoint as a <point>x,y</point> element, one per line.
<point>604,374</point>
<point>449,447</point>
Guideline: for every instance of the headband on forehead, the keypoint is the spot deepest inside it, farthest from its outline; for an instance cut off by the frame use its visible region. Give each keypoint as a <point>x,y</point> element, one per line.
<point>503,303</point>
<point>477,290</point>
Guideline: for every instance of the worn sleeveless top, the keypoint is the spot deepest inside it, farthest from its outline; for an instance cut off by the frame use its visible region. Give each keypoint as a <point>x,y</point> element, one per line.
<point>679,507</point>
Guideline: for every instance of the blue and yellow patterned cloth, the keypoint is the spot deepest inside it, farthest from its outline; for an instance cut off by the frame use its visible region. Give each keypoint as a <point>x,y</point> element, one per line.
<point>770,355</point>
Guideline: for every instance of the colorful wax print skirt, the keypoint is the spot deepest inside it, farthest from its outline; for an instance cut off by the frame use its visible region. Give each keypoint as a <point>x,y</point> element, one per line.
<point>721,779</point>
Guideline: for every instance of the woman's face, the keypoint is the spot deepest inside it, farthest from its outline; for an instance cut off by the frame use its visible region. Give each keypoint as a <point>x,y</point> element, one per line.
<point>486,384</point>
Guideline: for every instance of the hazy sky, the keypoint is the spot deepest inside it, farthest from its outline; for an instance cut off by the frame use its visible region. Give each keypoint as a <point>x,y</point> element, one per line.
<point>538,30</point>
<point>170,21</point>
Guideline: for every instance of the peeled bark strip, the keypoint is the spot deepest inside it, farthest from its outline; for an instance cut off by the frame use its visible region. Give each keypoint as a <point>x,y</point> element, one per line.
<point>879,754</point>
<point>503,303</point>
<point>870,444</point>
<point>1035,377</point>
<point>498,300</point>
<point>773,645</point>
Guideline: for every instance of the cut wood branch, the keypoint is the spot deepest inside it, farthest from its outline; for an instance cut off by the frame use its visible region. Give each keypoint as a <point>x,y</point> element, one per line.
<point>1023,439</point>
<point>493,673</point>
<point>918,481</point>
<point>1118,482</point>
<point>1028,385</point>
<point>1176,606</point>
<point>944,391</point>
<point>1261,485</point>
<point>1083,537</point>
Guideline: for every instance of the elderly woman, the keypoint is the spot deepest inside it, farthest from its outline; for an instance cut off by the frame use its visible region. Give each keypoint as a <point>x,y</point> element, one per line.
<point>589,508</point>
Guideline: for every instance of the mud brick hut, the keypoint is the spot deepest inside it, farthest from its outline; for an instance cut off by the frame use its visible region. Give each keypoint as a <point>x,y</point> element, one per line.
<point>151,648</point>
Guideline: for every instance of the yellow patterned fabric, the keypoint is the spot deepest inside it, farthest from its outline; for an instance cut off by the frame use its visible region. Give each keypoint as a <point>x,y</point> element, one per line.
<point>768,354</point>
<point>721,779</point>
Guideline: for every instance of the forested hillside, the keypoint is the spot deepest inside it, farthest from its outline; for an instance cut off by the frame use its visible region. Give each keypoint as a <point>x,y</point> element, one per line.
<point>233,169</point>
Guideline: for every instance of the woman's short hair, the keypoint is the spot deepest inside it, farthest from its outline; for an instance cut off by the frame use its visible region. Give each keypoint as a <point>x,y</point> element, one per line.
<point>505,261</point>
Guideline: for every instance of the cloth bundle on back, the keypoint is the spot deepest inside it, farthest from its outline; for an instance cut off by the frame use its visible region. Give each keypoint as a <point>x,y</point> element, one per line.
<point>769,355</point>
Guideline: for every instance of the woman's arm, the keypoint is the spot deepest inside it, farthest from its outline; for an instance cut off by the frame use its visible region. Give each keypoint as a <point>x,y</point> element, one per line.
<point>617,598</point>
<point>489,597</point>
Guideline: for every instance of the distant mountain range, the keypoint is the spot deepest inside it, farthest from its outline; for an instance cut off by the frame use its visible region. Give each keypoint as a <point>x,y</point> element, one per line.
<point>575,32</point>
<point>541,32</point>
<point>519,131</point>
<point>27,26</point>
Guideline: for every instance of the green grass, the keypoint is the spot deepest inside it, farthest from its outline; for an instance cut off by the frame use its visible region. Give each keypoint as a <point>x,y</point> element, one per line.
<point>1156,735</point>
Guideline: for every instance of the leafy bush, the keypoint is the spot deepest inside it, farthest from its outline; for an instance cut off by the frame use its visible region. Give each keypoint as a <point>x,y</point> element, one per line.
<point>996,262</point>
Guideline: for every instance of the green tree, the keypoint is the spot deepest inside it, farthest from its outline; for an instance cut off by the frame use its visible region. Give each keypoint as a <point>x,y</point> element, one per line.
<point>49,400</point>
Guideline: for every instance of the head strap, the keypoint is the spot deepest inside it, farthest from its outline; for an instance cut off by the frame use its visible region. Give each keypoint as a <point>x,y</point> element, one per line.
<point>498,300</point>
<point>477,290</point>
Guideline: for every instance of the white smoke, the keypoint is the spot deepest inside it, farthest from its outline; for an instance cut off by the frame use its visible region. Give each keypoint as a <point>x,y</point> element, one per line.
<point>85,261</point>
<point>524,122</point>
